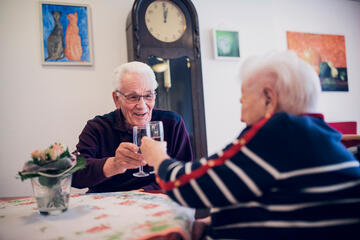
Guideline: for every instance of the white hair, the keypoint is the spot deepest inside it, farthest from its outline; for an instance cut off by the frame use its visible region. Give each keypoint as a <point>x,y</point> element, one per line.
<point>295,81</point>
<point>132,67</point>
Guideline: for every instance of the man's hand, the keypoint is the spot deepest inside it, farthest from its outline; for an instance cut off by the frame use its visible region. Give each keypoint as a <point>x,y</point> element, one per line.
<point>126,157</point>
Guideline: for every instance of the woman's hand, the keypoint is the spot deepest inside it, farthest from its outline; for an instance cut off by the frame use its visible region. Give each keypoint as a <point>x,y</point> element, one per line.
<point>154,152</point>
<point>199,227</point>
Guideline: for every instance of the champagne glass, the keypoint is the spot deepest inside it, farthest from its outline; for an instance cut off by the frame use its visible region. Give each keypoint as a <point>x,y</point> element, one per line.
<point>138,133</point>
<point>155,130</point>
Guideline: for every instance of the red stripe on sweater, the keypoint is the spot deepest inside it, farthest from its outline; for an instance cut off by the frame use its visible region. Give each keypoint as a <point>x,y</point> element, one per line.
<point>184,179</point>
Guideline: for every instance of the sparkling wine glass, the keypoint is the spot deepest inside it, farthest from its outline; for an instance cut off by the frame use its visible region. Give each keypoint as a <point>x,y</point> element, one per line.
<point>155,130</point>
<point>138,133</point>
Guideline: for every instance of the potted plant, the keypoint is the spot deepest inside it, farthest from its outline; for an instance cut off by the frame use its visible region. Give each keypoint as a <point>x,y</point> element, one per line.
<point>50,171</point>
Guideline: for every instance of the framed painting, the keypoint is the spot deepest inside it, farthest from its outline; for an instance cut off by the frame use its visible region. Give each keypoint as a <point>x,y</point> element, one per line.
<point>65,34</point>
<point>226,44</point>
<point>326,54</point>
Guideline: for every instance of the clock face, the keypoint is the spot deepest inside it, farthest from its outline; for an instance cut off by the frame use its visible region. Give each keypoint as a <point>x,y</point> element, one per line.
<point>165,21</point>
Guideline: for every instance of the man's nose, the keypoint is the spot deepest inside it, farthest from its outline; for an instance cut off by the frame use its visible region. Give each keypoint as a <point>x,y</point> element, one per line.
<point>141,102</point>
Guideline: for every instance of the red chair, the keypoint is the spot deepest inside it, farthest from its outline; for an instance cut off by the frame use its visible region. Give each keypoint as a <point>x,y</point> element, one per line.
<point>349,131</point>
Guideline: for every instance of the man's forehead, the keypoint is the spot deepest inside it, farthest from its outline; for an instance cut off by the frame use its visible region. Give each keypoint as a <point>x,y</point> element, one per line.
<point>136,78</point>
<point>136,75</point>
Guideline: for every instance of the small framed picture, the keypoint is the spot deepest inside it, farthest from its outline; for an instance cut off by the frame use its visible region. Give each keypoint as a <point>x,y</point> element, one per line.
<point>226,44</point>
<point>65,34</point>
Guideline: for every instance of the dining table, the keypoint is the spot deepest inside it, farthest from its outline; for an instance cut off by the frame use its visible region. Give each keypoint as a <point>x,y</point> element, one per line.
<point>111,216</point>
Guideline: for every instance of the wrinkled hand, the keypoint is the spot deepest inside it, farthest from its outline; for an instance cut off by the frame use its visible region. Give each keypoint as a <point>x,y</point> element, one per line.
<point>126,157</point>
<point>199,227</point>
<point>154,152</point>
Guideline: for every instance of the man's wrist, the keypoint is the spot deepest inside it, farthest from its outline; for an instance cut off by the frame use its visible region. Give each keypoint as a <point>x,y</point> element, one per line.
<point>110,168</point>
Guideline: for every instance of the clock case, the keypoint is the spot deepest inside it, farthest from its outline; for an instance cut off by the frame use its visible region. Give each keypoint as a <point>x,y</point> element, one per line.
<point>141,46</point>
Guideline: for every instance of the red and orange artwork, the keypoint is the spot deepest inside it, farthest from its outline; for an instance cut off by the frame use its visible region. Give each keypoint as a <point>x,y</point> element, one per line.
<point>326,54</point>
<point>73,49</point>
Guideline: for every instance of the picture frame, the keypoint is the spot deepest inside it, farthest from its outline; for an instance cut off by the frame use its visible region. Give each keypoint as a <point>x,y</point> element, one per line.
<point>326,53</point>
<point>226,44</point>
<point>66,37</point>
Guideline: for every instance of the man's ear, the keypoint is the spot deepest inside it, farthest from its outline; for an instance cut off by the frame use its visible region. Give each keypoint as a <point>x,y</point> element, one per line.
<point>271,99</point>
<point>116,99</point>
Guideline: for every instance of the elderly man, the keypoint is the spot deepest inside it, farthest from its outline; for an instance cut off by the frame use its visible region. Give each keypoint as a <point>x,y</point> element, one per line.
<point>287,175</point>
<point>106,141</point>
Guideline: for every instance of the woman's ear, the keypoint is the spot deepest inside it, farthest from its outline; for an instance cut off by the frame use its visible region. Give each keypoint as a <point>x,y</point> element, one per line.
<point>271,99</point>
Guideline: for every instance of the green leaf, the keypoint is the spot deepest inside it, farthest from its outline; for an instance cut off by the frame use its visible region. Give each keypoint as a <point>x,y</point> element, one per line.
<point>61,164</point>
<point>24,176</point>
<point>80,164</point>
<point>48,181</point>
<point>56,167</point>
<point>65,154</point>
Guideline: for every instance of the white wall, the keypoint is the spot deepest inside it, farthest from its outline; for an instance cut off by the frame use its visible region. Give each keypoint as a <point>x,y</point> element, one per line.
<point>43,104</point>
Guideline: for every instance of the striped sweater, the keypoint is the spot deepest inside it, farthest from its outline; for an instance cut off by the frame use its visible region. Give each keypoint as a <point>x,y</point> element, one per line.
<point>285,177</point>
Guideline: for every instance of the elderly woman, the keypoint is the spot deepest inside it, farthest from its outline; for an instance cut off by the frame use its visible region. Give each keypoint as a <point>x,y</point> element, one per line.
<point>287,175</point>
<point>106,142</point>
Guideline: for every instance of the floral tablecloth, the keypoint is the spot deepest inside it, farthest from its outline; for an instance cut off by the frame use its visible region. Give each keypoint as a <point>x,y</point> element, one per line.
<point>110,216</point>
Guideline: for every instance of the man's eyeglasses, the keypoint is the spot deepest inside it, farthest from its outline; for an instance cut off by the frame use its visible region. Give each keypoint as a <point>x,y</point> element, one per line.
<point>134,98</point>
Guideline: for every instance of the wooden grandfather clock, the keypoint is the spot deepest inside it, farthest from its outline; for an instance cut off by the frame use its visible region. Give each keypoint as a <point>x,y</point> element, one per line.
<point>165,35</point>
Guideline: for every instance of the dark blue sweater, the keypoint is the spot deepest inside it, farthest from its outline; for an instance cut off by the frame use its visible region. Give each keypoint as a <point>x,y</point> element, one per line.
<point>290,178</point>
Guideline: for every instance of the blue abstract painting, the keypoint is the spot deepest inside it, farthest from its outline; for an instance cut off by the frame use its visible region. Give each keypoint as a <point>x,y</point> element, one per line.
<point>65,31</point>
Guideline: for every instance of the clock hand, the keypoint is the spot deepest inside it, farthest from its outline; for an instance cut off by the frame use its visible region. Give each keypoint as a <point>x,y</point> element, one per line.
<point>165,11</point>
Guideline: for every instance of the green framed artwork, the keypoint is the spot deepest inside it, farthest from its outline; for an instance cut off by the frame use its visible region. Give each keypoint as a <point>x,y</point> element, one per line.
<point>226,44</point>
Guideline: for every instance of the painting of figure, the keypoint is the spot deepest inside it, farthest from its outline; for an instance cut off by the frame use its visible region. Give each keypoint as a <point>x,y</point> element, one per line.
<point>326,54</point>
<point>65,34</point>
<point>73,48</point>
<point>54,42</point>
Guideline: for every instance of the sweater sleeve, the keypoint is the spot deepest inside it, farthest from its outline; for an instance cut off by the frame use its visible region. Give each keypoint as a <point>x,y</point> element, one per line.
<point>217,181</point>
<point>88,147</point>
<point>223,179</point>
<point>180,148</point>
